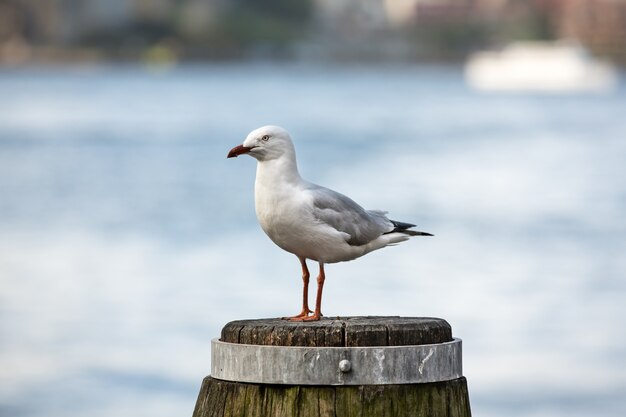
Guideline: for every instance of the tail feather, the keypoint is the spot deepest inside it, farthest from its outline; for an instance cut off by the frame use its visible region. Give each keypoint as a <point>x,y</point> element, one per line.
<point>401,227</point>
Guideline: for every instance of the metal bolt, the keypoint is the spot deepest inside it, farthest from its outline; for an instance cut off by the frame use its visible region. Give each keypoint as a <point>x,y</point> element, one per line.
<point>345,365</point>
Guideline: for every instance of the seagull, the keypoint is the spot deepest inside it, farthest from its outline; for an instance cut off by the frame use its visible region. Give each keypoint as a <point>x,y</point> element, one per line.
<point>308,220</point>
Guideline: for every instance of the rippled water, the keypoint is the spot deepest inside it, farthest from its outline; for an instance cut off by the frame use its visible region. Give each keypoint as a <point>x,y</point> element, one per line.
<point>127,239</point>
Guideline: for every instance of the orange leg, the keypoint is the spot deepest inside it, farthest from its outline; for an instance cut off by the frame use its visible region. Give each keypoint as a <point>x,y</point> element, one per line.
<point>318,300</point>
<point>305,293</point>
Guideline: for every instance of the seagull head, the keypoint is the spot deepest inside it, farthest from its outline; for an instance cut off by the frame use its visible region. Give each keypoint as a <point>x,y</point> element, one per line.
<point>265,143</point>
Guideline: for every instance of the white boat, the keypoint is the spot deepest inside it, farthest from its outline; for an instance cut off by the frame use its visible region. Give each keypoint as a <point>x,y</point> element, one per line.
<point>548,67</point>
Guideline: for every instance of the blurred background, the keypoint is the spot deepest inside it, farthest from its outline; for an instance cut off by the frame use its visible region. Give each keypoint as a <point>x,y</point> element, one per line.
<point>169,31</point>
<point>497,125</point>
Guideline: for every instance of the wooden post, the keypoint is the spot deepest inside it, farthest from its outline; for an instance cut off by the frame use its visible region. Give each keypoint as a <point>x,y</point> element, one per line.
<point>445,398</point>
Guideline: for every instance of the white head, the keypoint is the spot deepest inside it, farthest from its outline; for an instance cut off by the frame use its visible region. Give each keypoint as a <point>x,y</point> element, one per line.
<point>265,143</point>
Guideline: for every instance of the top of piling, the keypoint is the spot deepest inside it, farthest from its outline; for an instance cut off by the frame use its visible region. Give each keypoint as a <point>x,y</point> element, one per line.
<point>339,332</point>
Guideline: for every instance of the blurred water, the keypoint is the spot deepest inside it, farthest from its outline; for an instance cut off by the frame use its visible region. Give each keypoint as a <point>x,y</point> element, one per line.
<point>127,239</point>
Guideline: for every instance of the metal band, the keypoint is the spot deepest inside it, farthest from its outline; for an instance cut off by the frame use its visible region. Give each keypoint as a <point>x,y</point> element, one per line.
<point>379,365</point>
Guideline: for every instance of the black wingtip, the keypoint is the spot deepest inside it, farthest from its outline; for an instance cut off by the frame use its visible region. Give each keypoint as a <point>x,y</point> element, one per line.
<point>425,234</point>
<point>401,227</point>
<point>415,233</point>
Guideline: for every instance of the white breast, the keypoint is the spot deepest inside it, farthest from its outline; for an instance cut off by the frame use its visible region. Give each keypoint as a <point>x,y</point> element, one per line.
<point>285,215</point>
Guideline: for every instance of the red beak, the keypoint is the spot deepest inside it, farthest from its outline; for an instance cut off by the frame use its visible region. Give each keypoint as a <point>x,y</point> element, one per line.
<point>238,150</point>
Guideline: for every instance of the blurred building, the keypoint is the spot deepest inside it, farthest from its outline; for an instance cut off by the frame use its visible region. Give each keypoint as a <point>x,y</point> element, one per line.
<point>598,24</point>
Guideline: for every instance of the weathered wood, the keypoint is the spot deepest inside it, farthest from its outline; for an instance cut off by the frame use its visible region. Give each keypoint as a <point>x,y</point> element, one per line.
<point>219,398</point>
<point>339,332</point>
<point>233,399</point>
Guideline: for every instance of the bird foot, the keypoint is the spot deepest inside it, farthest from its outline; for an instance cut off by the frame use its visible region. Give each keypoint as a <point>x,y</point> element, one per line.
<point>304,313</point>
<point>314,317</point>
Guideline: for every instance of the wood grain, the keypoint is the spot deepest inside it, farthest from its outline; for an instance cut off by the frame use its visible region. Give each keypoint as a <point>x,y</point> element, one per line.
<point>339,332</point>
<point>440,399</point>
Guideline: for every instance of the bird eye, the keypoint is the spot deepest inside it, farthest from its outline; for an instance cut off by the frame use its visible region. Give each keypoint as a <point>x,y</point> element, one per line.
<point>265,138</point>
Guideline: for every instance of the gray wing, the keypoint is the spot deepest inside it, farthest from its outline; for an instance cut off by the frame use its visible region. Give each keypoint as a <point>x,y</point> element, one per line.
<point>344,215</point>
